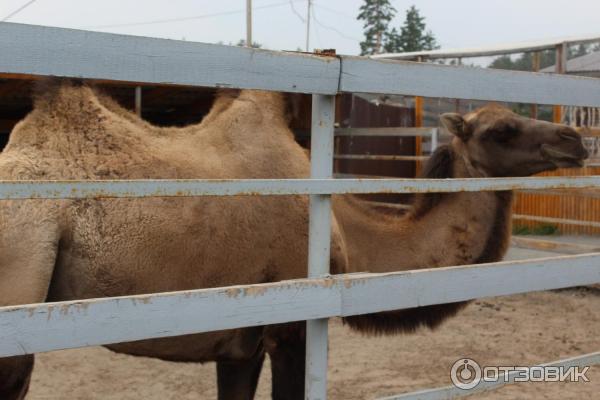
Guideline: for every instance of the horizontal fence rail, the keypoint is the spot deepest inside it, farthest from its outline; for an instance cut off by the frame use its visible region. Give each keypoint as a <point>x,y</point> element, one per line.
<point>552,220</point>
<point>13,190</point>
<point>45,51</point>
<point>34,51</point>
<point>433,80</point>
<point>379,157</point>
<point>387,132</point>
<point>553,246</point>
<point>452,392</point>
<point>53,326</point>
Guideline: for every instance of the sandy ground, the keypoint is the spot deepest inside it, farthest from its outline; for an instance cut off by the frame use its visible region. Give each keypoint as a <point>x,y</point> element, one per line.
<point>515,330</point>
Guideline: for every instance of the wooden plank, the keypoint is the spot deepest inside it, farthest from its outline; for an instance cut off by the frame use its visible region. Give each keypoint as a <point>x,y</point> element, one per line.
<point>453,392</point>
<point>385,132</point>
<point>319,239</point>
<point>560,66</point>
<point>553,246</point>
<point>83,323</point>
<point>45,327</point>
<point>535,67</point>
<point>419,111</point>
<point>434,80</point>
<point>552,220</point>
<point>594,194</point>
<point>379,157</point>
<point>13,190</point>
<point>493,50</point>
<point>386,292</point>
<point>47,51</point>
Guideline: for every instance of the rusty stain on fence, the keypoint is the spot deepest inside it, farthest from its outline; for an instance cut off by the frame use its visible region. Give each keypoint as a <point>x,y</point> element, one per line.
<point>13,190</point>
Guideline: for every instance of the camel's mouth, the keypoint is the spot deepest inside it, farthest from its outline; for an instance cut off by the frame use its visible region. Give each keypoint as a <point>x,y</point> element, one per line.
<point>563,159</point>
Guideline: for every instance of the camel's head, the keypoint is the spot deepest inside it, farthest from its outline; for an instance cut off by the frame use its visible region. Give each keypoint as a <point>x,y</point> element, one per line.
<point>502,143</point>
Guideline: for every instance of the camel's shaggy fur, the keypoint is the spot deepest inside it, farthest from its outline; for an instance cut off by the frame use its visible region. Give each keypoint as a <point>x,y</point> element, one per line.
<point>73,249</point>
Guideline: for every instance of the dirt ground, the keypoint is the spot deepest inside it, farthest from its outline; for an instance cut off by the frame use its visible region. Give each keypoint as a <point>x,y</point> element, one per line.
<point>516,330</point>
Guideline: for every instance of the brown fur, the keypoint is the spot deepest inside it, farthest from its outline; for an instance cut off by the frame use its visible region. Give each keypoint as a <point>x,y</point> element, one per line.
<point>439,166</point>
<point>54,250</point>
<point>446,229</point>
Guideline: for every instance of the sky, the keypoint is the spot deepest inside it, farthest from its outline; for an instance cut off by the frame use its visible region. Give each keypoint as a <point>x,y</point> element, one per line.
<point>280,24</point>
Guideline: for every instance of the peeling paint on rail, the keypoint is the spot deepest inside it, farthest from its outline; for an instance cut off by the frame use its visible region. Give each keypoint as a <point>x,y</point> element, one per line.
<point>52,326</point>
<point>13,190</point>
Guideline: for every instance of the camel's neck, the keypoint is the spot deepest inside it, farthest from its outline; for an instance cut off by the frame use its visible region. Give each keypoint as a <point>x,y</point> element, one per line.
<point>441,229</point>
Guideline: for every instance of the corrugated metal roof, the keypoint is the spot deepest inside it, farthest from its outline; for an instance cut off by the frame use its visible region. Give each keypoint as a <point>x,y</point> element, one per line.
<point>588,63</point>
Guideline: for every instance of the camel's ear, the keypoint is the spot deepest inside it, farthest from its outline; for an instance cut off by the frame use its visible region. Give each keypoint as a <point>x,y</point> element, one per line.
<point>456,125</point>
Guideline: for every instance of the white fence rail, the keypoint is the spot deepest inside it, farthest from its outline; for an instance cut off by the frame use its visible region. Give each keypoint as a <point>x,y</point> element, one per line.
<point>43,51</point>
<point>14,190</point>
<point>52,326</point>
<point>452,392</point>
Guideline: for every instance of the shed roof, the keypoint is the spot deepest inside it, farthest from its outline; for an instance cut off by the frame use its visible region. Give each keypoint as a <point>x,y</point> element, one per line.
<point>494,50</point>
<point>588,63</point>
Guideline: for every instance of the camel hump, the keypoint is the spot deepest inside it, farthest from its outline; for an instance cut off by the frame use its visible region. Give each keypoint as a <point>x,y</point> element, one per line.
<point>62,95</point>
<point>48,89</point>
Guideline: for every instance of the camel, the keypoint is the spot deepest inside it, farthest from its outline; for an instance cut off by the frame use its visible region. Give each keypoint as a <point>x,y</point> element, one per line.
<point>53,250</point>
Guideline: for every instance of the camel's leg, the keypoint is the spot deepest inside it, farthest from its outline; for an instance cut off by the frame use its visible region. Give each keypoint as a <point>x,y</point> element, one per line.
<point>15,373</point>
<point>286,345</point>
<point>237,380</point>
<point>29,238</point>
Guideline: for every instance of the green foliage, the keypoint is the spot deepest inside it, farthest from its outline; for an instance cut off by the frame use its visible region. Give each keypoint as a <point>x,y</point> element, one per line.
<point>376,16</point>
<point>524,62</point>
<point>542,229</point>
<point>547,58</point>
<point>583,49</point>
<point>413,35</point>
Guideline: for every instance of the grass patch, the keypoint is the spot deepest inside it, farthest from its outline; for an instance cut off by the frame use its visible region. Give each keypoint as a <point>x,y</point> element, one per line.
<point>542,229</point>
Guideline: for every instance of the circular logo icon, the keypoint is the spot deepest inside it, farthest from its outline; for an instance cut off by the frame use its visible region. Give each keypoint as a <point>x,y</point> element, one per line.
<point>465,374</point>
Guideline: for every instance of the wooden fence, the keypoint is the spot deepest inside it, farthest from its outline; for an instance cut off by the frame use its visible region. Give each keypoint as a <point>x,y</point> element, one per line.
<point>42,51</point>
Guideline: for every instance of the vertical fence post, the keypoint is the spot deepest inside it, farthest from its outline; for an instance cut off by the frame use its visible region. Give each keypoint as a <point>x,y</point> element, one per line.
<point>419,106</point>
<point>435,138</point>
<point>535,67</point>
<point>138,101</point>
<point>319,237</point>
<point>562,52</point>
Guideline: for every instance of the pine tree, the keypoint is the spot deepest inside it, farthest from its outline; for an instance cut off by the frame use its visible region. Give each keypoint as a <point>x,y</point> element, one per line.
<point>524,62</point>
<point>376,15</point>
<point>413,35</point>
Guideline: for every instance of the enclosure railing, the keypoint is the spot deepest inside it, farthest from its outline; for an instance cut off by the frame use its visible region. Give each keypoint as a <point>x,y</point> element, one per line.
<point>42,51</point>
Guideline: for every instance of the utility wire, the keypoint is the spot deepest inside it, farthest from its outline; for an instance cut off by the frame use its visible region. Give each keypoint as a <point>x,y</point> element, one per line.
<point>316,29</point>
<point>18,10</point>
<point>331,28</point>
<point>181,19</point>
<point>336,12</point>
<point>296,12</point>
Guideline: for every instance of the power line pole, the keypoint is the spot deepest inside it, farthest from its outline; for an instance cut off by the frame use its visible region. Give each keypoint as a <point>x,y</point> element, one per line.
<point>308,26</point>
<point>248,23</point>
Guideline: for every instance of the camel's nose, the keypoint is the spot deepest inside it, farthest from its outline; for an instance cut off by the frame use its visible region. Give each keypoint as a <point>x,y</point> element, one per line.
<point>573,141</point>
<point>569,134</point>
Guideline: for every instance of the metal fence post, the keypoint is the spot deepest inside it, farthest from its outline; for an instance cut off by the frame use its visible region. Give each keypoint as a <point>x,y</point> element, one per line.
<point>321,166</point>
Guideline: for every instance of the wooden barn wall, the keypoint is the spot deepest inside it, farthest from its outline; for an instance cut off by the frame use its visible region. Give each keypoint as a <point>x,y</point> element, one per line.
<point>356,112</point>
<point>582,205</point>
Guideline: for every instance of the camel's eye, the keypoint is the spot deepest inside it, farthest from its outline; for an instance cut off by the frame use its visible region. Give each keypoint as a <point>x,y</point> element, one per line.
<point>502,134</point>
